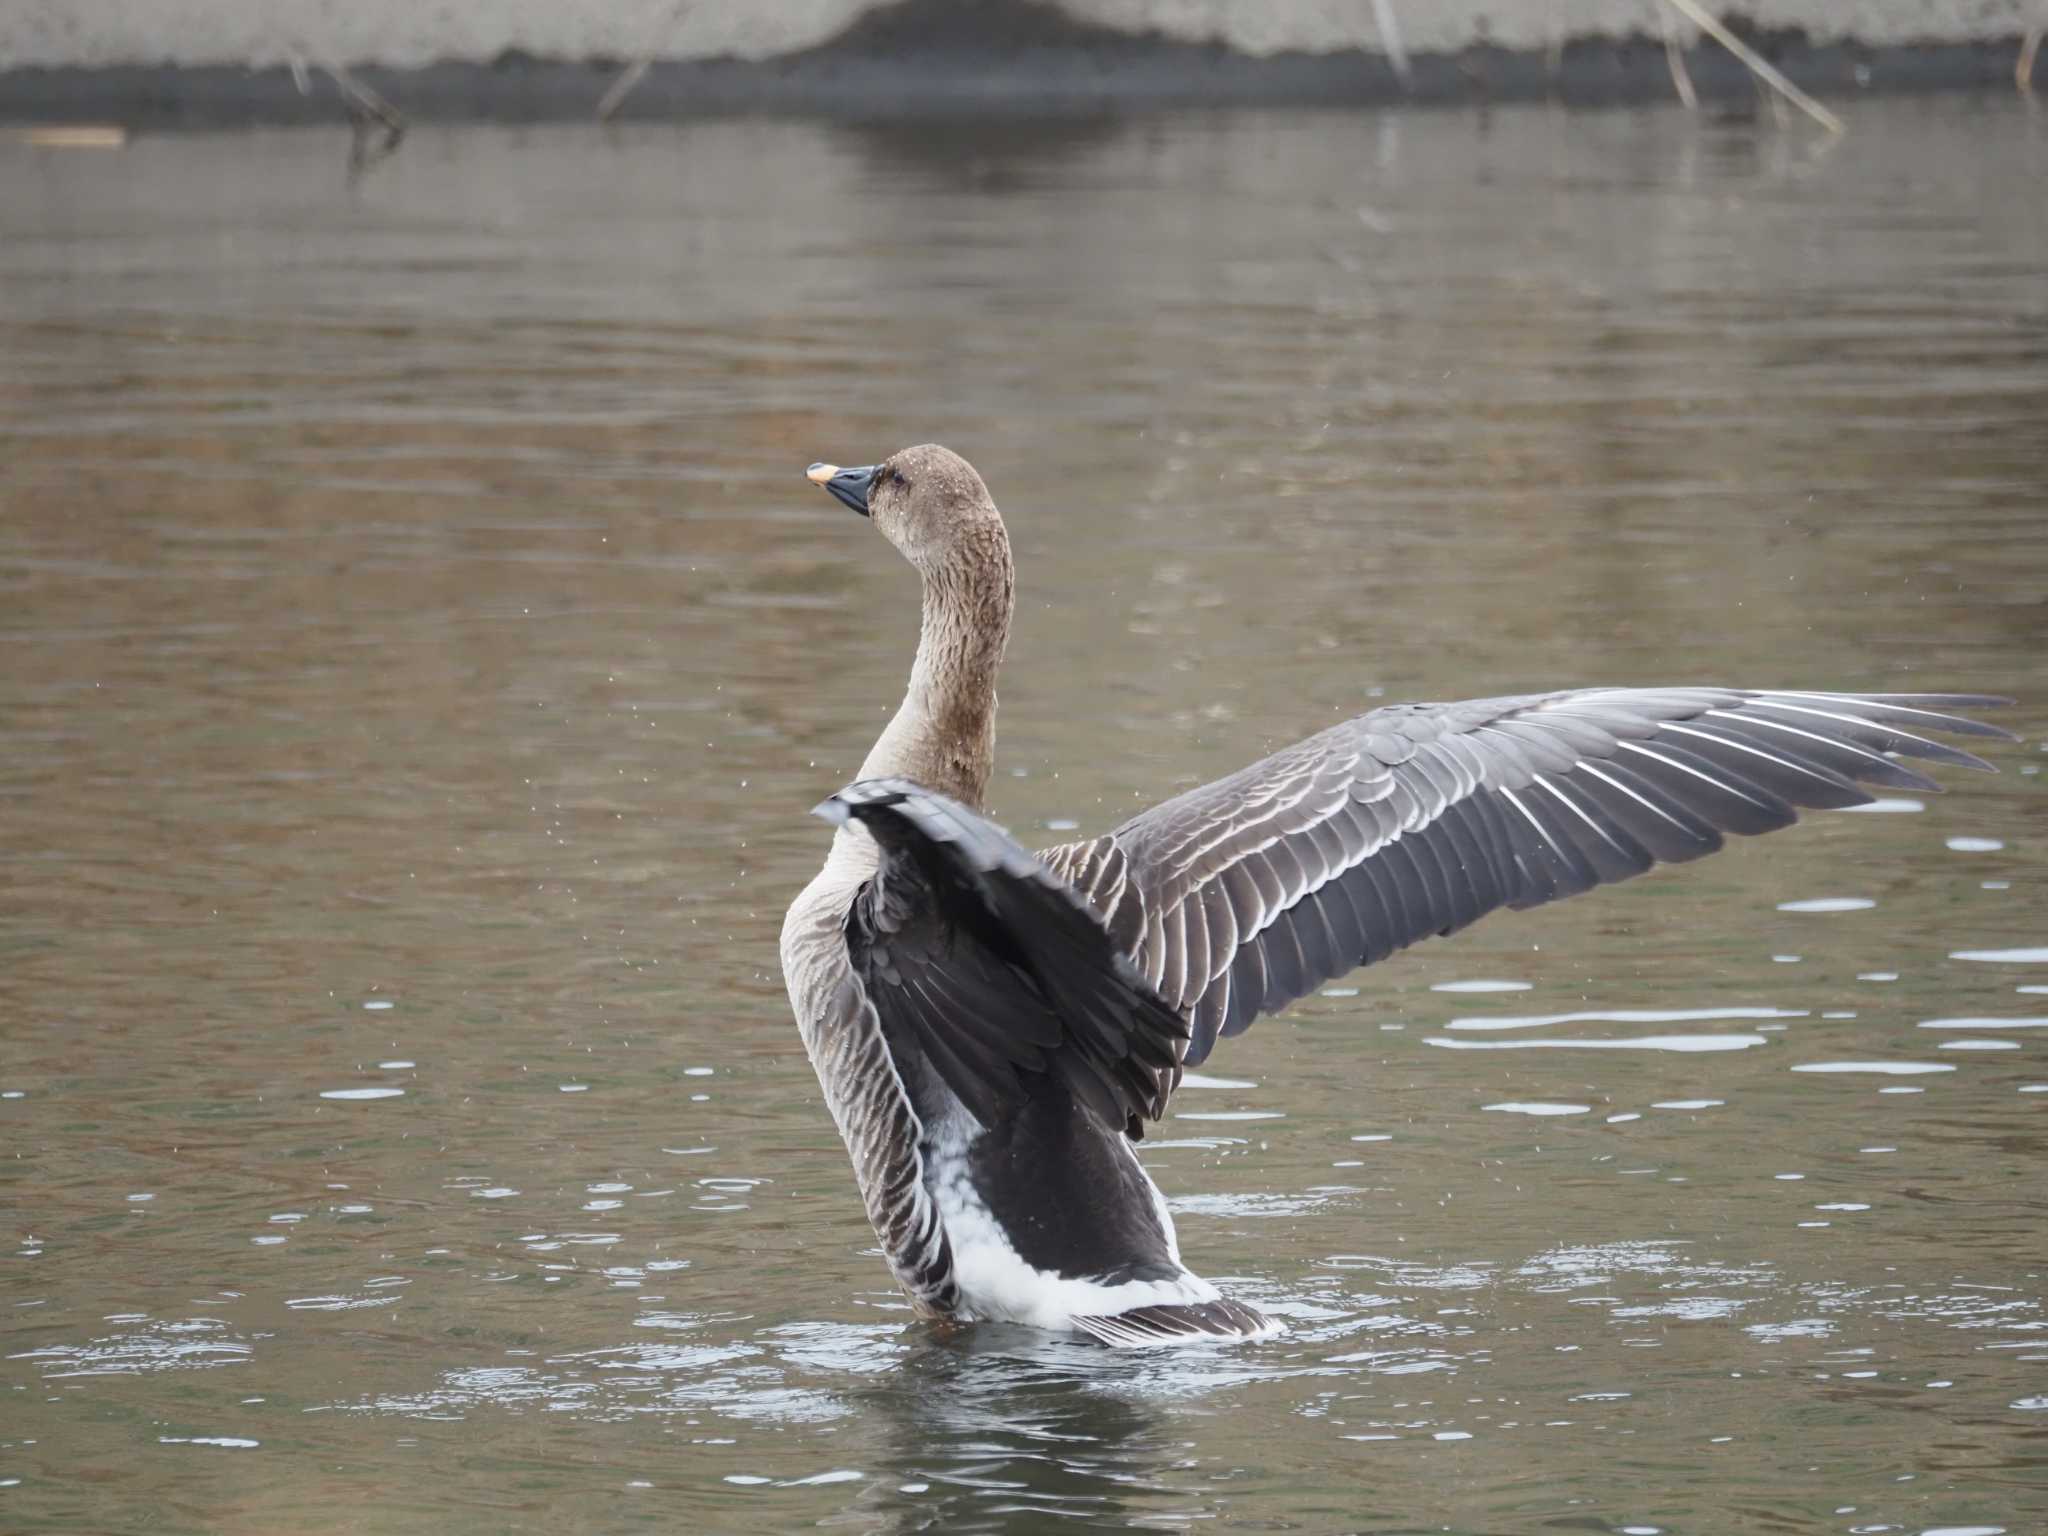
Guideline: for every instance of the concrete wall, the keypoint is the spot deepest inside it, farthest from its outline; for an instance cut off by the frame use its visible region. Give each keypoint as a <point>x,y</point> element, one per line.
<point>102,33</point>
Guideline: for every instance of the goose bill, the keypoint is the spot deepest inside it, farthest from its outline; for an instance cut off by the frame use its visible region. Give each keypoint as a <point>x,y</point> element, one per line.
<point>849,485</point>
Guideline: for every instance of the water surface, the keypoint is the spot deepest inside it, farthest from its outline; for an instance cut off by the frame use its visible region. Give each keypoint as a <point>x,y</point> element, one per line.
<point>418,649</point>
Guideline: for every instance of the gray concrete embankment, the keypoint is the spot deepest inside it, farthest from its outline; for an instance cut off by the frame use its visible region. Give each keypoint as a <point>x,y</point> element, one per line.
<point>205,62</point>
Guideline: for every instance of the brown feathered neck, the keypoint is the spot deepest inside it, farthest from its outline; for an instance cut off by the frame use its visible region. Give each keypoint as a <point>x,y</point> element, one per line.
<point>944,733</point>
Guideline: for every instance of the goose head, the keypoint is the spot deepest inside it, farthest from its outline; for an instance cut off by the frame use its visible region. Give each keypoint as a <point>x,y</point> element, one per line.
<point>927,501</point>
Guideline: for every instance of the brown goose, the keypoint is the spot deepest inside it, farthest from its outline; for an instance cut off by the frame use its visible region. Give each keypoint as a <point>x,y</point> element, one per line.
<point>992,1028</point>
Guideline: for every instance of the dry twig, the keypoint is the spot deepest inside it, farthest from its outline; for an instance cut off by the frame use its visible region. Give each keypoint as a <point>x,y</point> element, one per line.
<point>1674,57</point>
<point>1757,64</point>
<point>634,72</point>
<point>1390,39</point>
<point>367,111</point>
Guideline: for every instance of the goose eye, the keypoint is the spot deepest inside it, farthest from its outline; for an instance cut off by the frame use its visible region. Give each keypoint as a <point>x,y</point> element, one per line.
<point>896,477</point>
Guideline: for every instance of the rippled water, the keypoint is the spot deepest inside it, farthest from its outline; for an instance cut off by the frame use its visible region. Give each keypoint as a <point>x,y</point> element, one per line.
<point>420,649</point>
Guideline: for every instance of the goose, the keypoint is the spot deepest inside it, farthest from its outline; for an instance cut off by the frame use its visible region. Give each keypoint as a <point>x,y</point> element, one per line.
<point>992,1028</point>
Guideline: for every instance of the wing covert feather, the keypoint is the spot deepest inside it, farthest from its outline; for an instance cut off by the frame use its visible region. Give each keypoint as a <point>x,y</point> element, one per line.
<point>1243,895</point>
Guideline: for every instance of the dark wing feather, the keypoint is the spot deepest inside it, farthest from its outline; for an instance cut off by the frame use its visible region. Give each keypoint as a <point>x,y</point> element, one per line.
<point>1241,896</point>
<point>990,969</point>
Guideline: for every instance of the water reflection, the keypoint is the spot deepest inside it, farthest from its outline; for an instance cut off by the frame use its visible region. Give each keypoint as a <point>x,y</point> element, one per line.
<point>420,650</point>
<point>996,1429</point>
<point>983,157</point>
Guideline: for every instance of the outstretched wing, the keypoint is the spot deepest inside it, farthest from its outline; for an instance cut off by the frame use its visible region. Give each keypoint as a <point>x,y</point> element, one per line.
<point>1239,897</point>
<point>991,970</point>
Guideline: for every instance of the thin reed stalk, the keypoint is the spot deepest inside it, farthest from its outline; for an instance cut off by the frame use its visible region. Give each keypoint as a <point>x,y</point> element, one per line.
<point>636,71</point>
<point>1757,64</point>
<point>1674,59</point>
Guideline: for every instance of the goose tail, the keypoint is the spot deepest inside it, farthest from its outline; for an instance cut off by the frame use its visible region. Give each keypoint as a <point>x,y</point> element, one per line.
<point>1181,1323</point>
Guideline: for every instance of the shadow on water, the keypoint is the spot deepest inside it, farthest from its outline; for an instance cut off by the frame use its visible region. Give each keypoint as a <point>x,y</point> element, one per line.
<point>974,155</point>
<point>995,1428</point>
<point>1002,1429</point>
